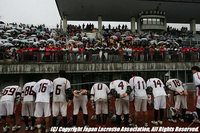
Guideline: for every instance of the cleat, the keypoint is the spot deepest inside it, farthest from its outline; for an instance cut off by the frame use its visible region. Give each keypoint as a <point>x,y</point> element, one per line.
<point>26,128</point>
<point>181,119</point>
<point>197,121</point>
<point>32,128</point>
<point>47,131</point>
<point>154,123</point>
<point>15,128</point>
<point>94,117</point>
<point>5,129</point>
<point>146,124</point>
<point>133,125</point>
<point>160,122</point>
<point>172,120</point>
<point>39,130</point>
<point>174,111</point>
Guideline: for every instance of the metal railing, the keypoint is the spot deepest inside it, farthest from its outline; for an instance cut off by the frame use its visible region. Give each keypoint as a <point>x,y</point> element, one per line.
<point>98,56</point>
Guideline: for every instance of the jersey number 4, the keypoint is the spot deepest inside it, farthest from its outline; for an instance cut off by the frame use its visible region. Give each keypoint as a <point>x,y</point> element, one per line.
<point>121,85</point>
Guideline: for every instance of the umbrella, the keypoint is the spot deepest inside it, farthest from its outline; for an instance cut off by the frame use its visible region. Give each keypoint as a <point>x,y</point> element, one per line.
<point>71,40</point>
<point>8,34</point>
<point>9,31</point>
<point>129,38</point>
<point>43,41</point>
<point>123,35</point>
<point>84,38</point>
<point>51,41</point>
<point>27,29</point>
<point>75,38</point>
<point>118,34</point>
<point>137,39</point>
<point>114,37</point>
<point>144,39</point>
<point>80,43</point>
<point>33,35</point>
<point>24,41</point>
<point>8,44</point>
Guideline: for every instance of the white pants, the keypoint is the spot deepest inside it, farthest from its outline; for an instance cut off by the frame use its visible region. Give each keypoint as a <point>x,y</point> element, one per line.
<point>42,108</point>
<point>7,108</point>
<point>58,107</point>
<point>160,102</point>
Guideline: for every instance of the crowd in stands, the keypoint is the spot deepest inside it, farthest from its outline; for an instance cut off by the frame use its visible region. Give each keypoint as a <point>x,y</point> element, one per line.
<point>21,42</point>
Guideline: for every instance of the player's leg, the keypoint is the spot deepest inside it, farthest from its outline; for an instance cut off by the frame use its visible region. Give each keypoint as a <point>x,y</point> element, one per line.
<point>47,114</point>
<point>118,106</point>
<point>63,109</point>
<point>39,109</point>
<point>156,109</point>
<point>83,104</point>
<point>25,114</point>
<point>3,115</point>
<point>126,112</point>
<point>32,109</point>
<point>137,104</point>
<point>55,110</point>
<point>162,108</point>
<point>10,111</point>
<point>105,112</point>
<point>184,107</point>
<point>177,100</point>
<point>98,112</point>
<point>145,113</point>
<point>76,109</point>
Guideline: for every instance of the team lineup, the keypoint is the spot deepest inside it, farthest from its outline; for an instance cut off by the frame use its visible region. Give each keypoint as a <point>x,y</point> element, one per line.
<point>48,99</point>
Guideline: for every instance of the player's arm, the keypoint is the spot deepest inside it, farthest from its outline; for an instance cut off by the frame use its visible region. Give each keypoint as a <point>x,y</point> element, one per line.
<point>129,90</point>
<point>69,93</point>
<point>114,93</point>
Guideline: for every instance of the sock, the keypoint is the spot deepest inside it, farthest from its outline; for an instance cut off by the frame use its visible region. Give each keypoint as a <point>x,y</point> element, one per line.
<point>198,112</point>
<point>155,115</point>
<point>74,120</point>
<point>118,119</point>
<point>65,121</point>
<point>161,114</point>
<point>33,121</point>
<point>104,118</point>
<point>183,113</point>
<point>99,119</point>
<point>85,119</point>
<point>54,121</point>
<point>126,120</point>
<point>26,120</point>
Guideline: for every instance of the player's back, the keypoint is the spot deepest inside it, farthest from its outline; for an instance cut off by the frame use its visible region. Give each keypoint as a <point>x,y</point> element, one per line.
<point>138,85</point>
<point>175,85</point>
<point>28,93</point>
<point>196,78</point>
<point>157,85</point>
<point>100,91</point>
<point>43,88</point>
<point>120,86</point>
<point>9,93</point>
<point>60,85</point>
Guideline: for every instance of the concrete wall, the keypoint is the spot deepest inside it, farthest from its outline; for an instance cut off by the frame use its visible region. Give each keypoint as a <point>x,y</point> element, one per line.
<point>92,67</point>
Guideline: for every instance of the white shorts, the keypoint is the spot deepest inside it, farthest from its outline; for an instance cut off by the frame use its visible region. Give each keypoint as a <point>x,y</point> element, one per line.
<point>28,108</point>
<point>160,102</point>
<point>101,107</point>
<point>58,107</point>
<point>42,108</point>
<point>180,100</point>
<point>7,108</point>
<point>140,104</point>
<point>78,102</point>
<point>122,106</point>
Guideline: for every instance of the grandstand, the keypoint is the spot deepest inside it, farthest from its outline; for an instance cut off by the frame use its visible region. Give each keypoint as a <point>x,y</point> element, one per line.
<point>89,55</point>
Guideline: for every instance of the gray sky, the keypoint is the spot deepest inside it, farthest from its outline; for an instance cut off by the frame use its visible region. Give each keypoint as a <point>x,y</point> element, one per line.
<point>41,12</point>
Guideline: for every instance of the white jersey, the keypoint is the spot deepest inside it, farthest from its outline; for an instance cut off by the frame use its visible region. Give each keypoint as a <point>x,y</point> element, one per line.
<point>120,86</point>
<point>28,93</point>
<point>100,91</point>
<point>158,87</point>
<point>9,93</point>
<point>43,88</point>
<point>59,87</point>
<point>175,85</point>
<point>196,80</point>
<point>138,85</point>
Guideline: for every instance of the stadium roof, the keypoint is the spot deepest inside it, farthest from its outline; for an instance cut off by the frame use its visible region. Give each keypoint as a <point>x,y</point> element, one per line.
<point>177,11</point>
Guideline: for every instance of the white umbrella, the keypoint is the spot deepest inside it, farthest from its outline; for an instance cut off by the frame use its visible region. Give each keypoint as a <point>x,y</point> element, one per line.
<point>9,31</point>
<point>84,38</point>
<point>8,34</point>
<point>75,38</point>
<point>8,44</point>
<point>144,39</point>
<point>114,37</point>
<point>24,41</point>
<point>33,35</point>
<point>71,40</point>
<point>136,39</point>
<point>51,41</point>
